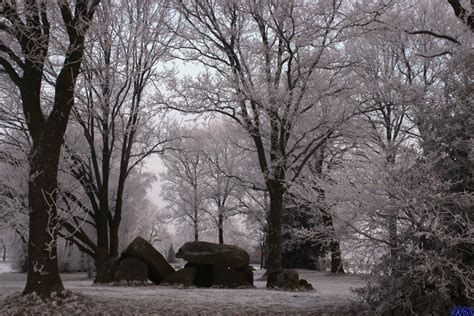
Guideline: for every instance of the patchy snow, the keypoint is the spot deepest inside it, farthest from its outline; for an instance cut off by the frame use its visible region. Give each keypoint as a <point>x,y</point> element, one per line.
<point>5,267</point>
<point>332,296</point>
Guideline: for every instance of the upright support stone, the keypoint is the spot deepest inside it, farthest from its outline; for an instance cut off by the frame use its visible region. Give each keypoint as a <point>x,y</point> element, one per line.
<point>217,264</point>
<point>158,267</point>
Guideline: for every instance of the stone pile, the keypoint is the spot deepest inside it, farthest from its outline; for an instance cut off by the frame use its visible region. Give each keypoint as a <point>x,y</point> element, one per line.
<point>211,264</point>
<point>208,264</point>
<point>140,261</point>
<point>289,280</point>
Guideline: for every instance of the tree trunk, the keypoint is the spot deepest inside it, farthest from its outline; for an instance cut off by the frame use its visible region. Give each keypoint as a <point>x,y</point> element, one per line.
<point>392,217</point>
<point>262,256</point>
<point>102,253</point>
<point>114,239</point>
<point>196,231</point>
<point>195,219</point>
<point>43,274</point>
<point>221,228</point>
<point>334,246</point>
<point>104,266</point>
<point>4,253</point>
<point>392,230</point>
<point>336,258</point>
<point>274,238</point>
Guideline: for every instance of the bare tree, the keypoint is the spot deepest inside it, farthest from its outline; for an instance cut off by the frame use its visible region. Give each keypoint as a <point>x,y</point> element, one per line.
<point>27,29</point>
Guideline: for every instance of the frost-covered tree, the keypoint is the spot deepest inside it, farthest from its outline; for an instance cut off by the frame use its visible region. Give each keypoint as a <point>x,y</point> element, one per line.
<point>117,121</point>
<point>184,184</point>
<point>27,35</point>
<point>212,161</point>
<point>314,233</point>
<point>433,268</point>
<point>274,68</point>
<point>223,161</point>
<point>428,189</point>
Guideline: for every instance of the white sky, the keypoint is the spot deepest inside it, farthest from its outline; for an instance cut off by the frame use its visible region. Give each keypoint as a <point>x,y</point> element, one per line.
<point>154,164</point>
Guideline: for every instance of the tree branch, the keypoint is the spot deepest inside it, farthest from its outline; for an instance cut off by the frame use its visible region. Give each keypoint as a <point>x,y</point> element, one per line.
<point>442,36</point>
<point>11,72</point>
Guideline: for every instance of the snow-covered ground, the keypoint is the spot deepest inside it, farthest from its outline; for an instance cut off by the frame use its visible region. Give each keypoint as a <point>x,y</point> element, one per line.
<point>332,296</point>
<point>5,267</point>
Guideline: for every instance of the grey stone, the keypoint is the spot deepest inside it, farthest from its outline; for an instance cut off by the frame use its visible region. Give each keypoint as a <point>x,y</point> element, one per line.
<point>158,267</point>
<point>201,252</point>
<point>184,277</point>
<point>304,285</point>
<point>288,280</point>
<point>232,278</point>
<point>131,269</point>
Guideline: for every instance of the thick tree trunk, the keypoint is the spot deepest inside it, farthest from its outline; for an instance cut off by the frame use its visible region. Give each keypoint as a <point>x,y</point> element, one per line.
<point>47,131</point>
<point>102,253</point>
<point>221,228</point>
<point>274,238</point>
<point>104,269</point>
<point>334,246</point>
<point>117,218</point>
<point>43,274</point>
<point>336,258</point>
<point>114,239</point>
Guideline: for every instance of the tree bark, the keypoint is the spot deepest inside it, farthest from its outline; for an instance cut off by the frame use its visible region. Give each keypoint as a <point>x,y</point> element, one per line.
<point>114,238</point>
<point>221,228</point>
<point>4,252</point>
<point>101,259</point>
<point>196,231</point>
<point>43,273</point>
<point>102,252</point>
<point>336,258</point>
<point>195,220</point>
<point>32,32</point>
<point>334,245</point>
<point>104,272</point>
<point>274,237</point>
<point>392,231</point>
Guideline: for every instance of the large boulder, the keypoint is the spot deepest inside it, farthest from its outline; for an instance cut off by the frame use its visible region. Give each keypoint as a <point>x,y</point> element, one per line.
<point>288,280</point>
<point>158,267</point>
<point>228,277</point>
<point>201,252</point>
<point>131,269</point>
<point>184,277</point>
